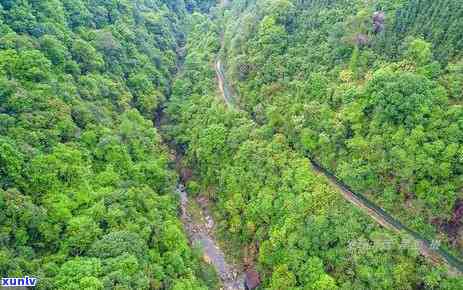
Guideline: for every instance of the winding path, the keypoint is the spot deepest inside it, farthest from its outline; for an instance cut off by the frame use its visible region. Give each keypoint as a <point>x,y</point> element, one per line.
<point>435,253</point>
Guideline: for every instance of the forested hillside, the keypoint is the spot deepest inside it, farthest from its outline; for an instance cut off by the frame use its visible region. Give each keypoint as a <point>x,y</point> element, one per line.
<point>86,196</point>
<point>273,211</point>
<point>371,89</point>
<point>95,95</point>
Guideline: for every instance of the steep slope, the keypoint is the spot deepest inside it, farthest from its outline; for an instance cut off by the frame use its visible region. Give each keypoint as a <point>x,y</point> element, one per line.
<point>87,199</point>
<point>274,211</point>
<point>367,89</point>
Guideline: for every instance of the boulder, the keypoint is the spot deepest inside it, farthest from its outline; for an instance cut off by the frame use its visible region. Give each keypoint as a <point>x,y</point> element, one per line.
<point>252,279</point>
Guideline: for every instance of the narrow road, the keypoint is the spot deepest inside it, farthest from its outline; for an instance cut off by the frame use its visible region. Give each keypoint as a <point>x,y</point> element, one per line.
<point>200,235</point>
<point>430,250</point>
<point>224,91</point>
<point>435,253</point>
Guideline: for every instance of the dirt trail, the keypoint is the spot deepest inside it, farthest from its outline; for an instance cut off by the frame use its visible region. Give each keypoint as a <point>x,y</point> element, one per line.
<point>199,231</point>
<point>435,254</point>
<point>224,91</point>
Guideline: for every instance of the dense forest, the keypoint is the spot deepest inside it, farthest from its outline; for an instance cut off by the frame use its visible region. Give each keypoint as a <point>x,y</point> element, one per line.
<point>370,89</point>
<point>273,210</point>
<point>86,194</point>
<point>96,95</point>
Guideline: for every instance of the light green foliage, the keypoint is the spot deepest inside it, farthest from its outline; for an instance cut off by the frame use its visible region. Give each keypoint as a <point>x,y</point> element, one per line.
<point>289,221</point>
<point>381,109</point>
<point>86,193</point>
<point>419,51</point>
<point>80,272</point>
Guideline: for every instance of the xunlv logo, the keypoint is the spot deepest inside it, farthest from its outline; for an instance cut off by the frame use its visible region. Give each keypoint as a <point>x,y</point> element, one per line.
<point>17,282</point>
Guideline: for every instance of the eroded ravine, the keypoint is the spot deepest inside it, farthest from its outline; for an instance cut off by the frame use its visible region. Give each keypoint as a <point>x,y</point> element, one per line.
<point>199,226</point>
<point>200,232</point>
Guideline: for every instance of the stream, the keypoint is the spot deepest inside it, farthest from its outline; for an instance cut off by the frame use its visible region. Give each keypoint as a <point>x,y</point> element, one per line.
<point>200,229</point>
<point>199,232</point>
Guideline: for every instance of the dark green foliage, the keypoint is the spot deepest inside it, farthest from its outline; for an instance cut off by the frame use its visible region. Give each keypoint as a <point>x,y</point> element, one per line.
<point>439,22</point>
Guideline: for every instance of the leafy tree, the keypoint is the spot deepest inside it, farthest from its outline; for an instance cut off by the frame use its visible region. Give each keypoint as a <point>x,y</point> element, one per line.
<point>81,232</point>
<point>419,51</point>
<point>11,163</point>
<point>55,51</point>
<point>80,272</point>
<point>87,56</point>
